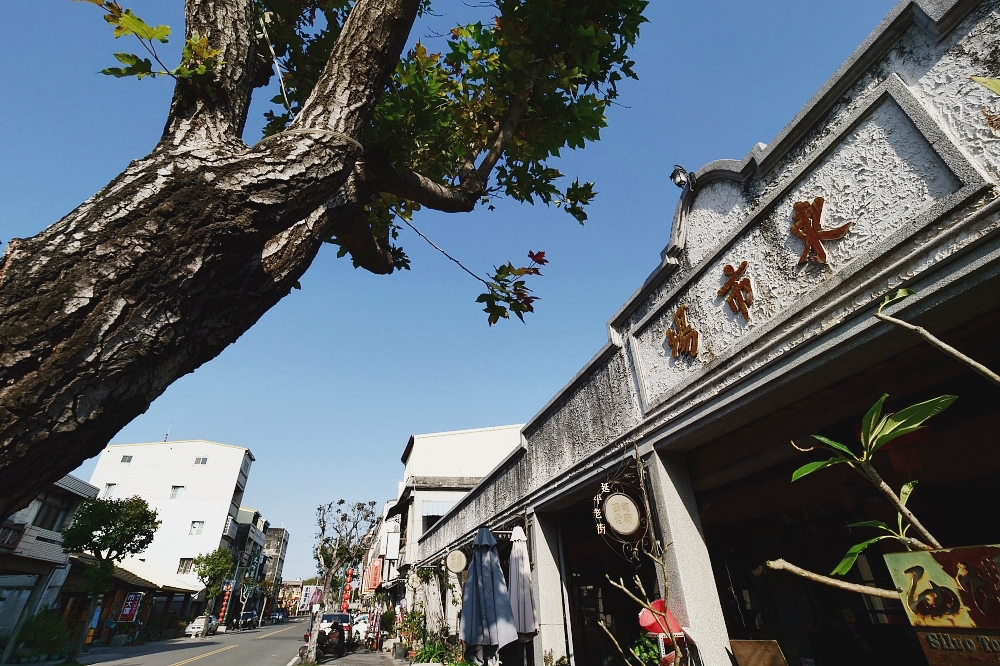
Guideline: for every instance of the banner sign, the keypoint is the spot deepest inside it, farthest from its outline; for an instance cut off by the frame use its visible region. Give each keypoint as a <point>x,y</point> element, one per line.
<point>952,599</point>
<point>311,594</point>
<point>130,609</point>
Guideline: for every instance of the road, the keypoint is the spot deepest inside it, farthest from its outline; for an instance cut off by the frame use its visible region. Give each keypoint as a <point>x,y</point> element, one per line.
<point>273,645</point>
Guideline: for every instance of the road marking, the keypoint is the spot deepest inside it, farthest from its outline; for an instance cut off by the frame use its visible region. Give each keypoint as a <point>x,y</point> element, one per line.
<point>294,659</point>
<point>207,654</point>
<point>273,633</point>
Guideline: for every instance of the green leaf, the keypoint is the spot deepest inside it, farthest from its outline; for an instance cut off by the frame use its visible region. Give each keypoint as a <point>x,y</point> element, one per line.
<point>137,67</point>
<point>904,494</point>
<point>129,23</point>
<point>878,524</point>
<point>897,295</point>
<point>870,418</point>
<point>834,445</point>
<point>809,468</point>
<point>907,420</point>
<point>852,556</point>
<point>991,84</point>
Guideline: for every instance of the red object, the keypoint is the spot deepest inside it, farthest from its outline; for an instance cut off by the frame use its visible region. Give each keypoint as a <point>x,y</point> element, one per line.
<point>654,623</point>
<point>131,607</point>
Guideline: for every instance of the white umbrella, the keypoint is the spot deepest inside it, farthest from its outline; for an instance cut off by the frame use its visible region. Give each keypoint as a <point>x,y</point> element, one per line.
<point>487,622</point>
<point>522,600</point>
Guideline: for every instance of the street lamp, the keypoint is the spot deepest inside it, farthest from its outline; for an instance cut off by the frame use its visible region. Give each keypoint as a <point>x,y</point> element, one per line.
<point>680,176</point>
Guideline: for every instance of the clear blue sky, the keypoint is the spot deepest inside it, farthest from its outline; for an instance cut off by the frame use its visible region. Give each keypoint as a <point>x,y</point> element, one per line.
<point>327,388</point>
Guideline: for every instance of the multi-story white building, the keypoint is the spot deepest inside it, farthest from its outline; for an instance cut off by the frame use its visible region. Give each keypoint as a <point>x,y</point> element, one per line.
<point>195,486</point>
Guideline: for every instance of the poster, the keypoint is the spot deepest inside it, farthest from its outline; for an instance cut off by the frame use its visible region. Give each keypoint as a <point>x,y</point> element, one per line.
<point>130,608</point>
<point>311,594</point>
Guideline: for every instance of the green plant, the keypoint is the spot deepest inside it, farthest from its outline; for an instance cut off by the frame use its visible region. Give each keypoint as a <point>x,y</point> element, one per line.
<point>646,651</point>
<point>45,632</point>
<point>412,625</point>
<point>388,620</point>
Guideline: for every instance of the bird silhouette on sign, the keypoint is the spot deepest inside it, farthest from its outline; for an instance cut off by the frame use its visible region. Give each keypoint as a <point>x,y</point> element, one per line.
<point>807,227</point>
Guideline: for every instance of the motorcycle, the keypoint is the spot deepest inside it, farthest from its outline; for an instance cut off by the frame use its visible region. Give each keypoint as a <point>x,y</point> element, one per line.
<point>325,647</point>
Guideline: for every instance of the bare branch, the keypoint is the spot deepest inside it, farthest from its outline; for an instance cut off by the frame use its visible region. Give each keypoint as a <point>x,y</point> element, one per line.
<point>893,498</point>
<point>782,565</point>
<point>946,348</point>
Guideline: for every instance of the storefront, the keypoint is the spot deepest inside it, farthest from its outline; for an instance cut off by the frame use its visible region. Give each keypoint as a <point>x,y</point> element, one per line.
<point>758,328</point>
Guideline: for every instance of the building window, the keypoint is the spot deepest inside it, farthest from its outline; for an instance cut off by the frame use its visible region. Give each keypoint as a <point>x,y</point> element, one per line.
<point>201,461</point>
<point>52,512</point>
<point>109,490</point>
<point>196,527</point>
<point>185,566</point>
<point>126,459</point>
<point>176,492</point>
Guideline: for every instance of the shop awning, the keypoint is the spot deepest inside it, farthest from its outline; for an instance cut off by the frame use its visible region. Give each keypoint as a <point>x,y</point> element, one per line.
<point>136,573</point>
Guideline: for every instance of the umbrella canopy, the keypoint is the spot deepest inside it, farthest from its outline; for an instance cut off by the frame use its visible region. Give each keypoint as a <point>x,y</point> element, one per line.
<point>522,599</point>
<point>487,618</point>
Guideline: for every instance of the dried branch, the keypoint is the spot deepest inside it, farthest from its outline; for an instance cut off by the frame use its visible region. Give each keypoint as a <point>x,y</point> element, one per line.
<point>617,645</point>
<point>947,349</point>
<point>782,565</point>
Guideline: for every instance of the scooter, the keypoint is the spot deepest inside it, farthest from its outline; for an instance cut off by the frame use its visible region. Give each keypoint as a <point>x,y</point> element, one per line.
<point>329,648</point>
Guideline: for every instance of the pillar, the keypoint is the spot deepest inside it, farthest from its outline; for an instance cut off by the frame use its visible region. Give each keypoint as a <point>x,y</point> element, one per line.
<point>547,584</point>
<point>693,596</point>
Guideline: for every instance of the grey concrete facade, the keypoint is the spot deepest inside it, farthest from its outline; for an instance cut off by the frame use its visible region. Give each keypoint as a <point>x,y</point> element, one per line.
<point>897,144</point>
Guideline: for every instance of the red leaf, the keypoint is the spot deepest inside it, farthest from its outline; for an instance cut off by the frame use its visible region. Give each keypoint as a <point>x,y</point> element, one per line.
<point>538,257</point>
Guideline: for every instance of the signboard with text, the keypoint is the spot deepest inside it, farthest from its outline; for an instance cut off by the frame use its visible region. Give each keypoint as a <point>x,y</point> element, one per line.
<point>130,608</point>
<point>311,594</point>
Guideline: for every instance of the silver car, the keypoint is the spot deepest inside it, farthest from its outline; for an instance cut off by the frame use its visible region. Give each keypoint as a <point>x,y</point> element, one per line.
<point>194,629</point>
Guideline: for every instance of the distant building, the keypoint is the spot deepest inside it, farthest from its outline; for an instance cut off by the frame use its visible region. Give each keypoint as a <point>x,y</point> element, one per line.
<point>195,486</point>
<point>275,546</point>
<point>249,543</point>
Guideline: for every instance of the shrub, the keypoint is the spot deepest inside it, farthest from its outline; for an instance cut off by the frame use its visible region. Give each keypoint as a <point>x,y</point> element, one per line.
<point>45,632</point>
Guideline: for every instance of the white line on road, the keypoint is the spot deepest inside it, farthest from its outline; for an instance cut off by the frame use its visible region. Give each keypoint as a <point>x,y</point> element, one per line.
<point>207,654</point>
<point>294,659</point>
<point>273,633</point>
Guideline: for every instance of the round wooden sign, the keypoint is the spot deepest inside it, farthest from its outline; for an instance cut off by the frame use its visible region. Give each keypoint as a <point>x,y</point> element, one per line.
<point>456,561</point>
<point>413,580</point>
<point>621,513</point>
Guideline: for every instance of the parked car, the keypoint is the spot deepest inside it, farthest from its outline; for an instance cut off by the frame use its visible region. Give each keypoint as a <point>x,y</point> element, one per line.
<point>248,620</point>
<point>279,616</point>
<point>360,627</point>
<point>194,629</point>
<point>343,619</point>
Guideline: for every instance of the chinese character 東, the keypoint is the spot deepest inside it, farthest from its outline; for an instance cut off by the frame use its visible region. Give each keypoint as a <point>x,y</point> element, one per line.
<point>738,287</point>
<point>683,340</point>
<point>807,227</point>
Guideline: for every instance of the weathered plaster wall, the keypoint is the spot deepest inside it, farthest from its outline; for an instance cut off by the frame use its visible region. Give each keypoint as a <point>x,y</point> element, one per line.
<point>897,144</point>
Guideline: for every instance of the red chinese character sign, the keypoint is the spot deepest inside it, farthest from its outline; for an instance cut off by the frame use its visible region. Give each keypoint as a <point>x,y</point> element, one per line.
<point>130,608</point>
<point>737,290</point>
<point>807,227</point>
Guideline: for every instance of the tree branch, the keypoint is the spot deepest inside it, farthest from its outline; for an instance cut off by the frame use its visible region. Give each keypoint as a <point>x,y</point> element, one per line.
<point>782,565</point>
<point>217,116</point>
<point>890,494</point>
<point>947,349</point>
<point>507,127</point>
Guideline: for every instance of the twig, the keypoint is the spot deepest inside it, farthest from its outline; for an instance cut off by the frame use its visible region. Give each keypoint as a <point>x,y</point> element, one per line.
<point>277,68</point>
<point>947,349</point>
<point>890,494</point>
<point>431,243</point>
<point>617,645</point>
<point>782,565</point>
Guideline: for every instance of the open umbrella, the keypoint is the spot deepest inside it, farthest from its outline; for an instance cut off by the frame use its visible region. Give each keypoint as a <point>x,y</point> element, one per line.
<point>487,622</point>
<point>522,600</point>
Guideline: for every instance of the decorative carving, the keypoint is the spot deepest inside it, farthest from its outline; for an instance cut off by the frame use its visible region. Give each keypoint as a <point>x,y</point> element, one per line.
<point>683,339</point>
<point>740,291</point>
<point>807,227</point>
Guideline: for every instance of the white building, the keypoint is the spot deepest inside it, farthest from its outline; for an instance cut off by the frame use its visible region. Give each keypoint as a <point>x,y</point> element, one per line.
<point>195,486</point>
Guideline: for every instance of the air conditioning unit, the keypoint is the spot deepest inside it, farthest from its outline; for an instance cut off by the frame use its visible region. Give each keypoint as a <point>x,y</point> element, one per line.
<point>230,529</point>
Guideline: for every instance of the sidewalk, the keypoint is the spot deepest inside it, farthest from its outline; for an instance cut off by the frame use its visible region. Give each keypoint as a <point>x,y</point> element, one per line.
<point>363,659</point>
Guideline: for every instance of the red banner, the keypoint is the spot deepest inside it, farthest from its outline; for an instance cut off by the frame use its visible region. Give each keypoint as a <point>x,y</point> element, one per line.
<point>130,609</point>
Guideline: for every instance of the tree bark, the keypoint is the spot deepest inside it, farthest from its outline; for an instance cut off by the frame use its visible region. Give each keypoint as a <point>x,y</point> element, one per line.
<point>181,253</point>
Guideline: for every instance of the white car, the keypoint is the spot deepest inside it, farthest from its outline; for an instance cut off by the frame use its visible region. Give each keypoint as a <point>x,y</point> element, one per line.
<point>327,619</point>
<point>360,626</point>
<point>194,629</point>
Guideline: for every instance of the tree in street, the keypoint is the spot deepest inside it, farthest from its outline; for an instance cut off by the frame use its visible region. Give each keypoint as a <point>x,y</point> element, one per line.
<point>187,248</point>
<point>110,530</point>
<point>341,540</point>
<point>212,570</point>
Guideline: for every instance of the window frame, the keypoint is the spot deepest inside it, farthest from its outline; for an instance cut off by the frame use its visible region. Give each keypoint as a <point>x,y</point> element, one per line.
<point>109,491</point>
<point>126,459</point>
<point>177,492</point>
<point>201,528</point>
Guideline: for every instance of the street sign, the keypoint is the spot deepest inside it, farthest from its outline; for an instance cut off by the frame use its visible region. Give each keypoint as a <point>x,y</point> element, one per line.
<point>130,609</point>
<point>952,599</point>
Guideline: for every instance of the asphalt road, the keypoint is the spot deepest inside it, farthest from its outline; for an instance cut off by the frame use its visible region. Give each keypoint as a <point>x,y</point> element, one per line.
<point>271,645</point>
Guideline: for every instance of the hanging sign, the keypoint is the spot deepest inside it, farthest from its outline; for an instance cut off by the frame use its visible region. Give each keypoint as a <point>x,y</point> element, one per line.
<point>952,599</point>
<point>456,561</point>
<point>621,514</point>
<point>130,609</point>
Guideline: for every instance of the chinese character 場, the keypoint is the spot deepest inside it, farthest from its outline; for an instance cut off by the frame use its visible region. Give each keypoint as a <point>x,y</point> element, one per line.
<point>807,227</point>
<point>683,340</point>
<point>740,292</point>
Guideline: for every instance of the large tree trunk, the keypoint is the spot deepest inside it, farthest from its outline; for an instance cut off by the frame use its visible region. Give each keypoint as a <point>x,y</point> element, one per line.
<point>181,253</point>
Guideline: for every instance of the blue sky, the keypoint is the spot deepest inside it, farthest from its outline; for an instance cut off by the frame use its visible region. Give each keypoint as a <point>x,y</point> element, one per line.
<point>329,385</point>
